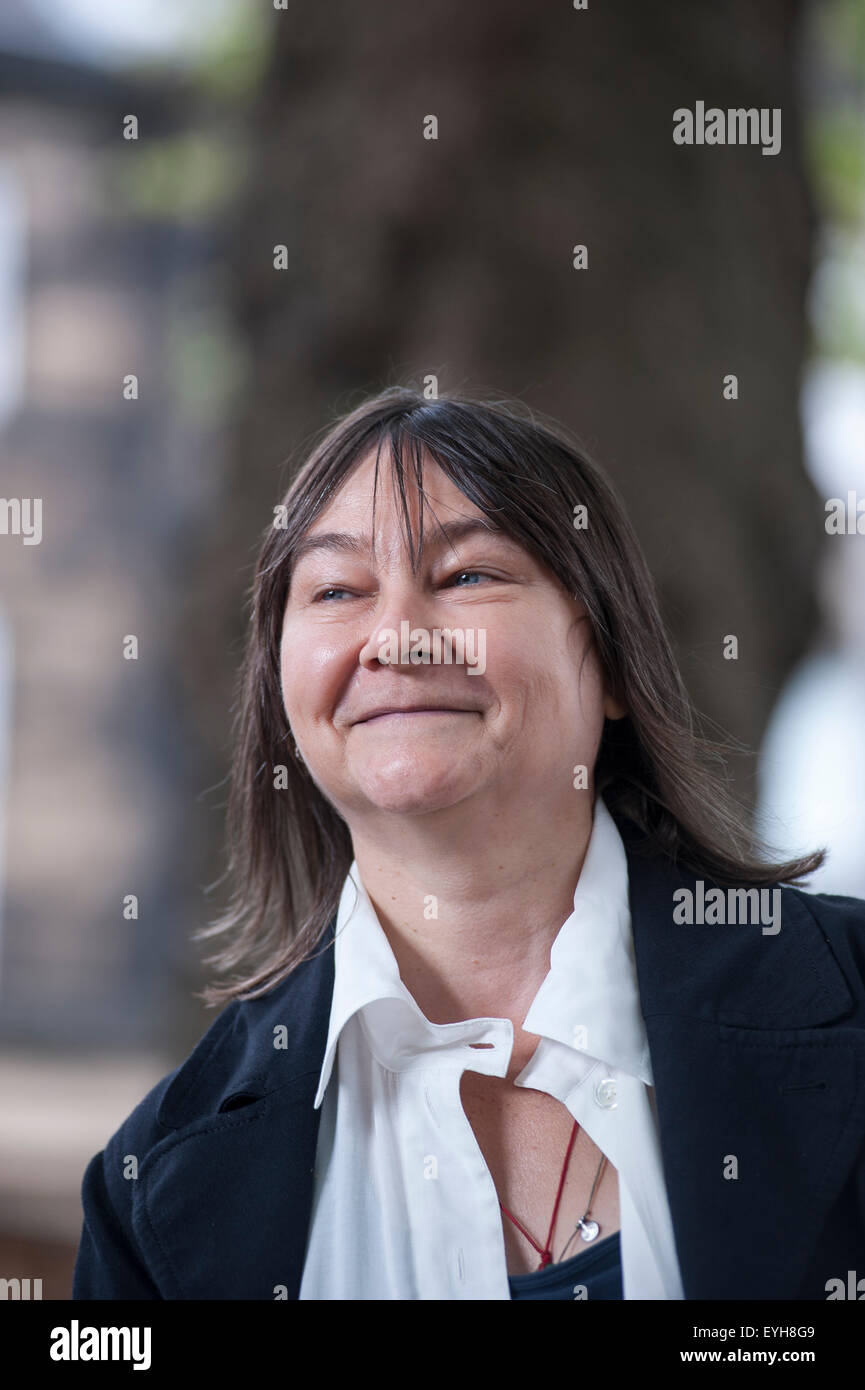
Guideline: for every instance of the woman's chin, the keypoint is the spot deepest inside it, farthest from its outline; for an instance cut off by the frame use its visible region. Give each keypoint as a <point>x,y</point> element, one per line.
<point>412,790</point>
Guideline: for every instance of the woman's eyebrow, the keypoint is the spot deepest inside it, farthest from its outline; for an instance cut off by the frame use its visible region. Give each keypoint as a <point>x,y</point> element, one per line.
<point>348,542</point>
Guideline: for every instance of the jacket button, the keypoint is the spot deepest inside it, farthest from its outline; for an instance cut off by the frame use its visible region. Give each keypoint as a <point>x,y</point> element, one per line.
<point>605,1094</point>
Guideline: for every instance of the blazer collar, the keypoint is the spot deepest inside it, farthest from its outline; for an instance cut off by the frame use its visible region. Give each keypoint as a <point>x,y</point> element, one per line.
<point>729,974</point>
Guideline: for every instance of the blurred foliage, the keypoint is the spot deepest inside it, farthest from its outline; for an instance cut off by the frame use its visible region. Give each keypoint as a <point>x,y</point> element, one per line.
<point>182,177</point>
<point>199,171</point>
<point>232,62</point>
<point>838,297</point>
<point>228,59</point>
<point>206,365</point>
<point>835,152</point>
<point>194,176</point>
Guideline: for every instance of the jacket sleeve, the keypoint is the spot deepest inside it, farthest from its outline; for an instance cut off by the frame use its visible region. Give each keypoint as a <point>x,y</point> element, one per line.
<point>107,1266</point>
<point>109,1263</point>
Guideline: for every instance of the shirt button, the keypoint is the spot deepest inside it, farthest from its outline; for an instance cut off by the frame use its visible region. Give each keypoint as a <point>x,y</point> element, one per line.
<point>605,1094</point>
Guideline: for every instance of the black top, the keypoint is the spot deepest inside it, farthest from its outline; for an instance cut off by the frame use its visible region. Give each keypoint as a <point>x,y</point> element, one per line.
<point>597,1270</point>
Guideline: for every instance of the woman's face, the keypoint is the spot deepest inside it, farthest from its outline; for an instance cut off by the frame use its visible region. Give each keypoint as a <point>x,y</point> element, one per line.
<point>518,706</point>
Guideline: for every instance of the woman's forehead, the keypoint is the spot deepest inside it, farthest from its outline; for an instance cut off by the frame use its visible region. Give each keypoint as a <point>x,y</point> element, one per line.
<point>362,495</point>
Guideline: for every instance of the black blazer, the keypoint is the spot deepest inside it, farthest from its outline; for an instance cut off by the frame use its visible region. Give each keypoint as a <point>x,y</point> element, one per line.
<point>757,1045</point>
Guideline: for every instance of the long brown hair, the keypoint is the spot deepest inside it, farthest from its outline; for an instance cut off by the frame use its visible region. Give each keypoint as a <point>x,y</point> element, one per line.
<point>289,850</point>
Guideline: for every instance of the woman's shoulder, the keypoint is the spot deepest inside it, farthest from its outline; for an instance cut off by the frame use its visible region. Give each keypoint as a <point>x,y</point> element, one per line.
<point>253,1047</point>
<point>193,1085</point>
<point>840,921</point>
<point>838,915</point>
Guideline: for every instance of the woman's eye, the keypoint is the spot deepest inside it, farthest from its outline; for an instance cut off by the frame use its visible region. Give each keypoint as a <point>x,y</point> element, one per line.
<point>481,573</point>
<point>326,595</point>
<point>325,592</point>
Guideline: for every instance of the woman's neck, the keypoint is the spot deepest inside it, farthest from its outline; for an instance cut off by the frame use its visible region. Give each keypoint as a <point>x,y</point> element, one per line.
<point>471,929</point>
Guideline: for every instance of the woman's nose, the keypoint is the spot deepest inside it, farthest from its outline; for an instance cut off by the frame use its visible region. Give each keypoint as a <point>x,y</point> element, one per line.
<point>402,619</point>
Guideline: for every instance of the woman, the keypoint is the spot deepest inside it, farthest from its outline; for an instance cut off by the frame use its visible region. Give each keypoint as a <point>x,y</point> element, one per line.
<point>515,1008</point>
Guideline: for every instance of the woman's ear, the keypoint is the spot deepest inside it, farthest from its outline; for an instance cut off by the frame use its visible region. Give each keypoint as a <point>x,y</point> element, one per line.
<point>613,709</point>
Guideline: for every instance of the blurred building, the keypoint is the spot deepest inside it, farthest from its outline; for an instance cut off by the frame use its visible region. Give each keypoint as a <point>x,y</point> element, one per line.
<point>88,294</point>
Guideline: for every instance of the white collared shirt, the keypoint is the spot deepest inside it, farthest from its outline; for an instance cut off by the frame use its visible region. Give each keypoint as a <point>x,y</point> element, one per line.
<point>404,1206</point>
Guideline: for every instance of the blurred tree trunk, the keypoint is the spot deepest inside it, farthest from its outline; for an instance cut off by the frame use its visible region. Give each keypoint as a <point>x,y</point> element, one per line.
<point>454,256</point>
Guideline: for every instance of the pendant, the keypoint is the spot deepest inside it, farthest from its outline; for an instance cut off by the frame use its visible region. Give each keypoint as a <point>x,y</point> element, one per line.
<point>588,1229</point>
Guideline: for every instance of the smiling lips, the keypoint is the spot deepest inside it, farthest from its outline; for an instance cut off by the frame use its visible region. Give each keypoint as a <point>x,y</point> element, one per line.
<point>412,709</point>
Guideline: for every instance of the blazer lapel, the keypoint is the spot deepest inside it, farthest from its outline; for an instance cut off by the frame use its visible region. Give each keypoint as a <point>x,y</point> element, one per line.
<point>761,1113</point>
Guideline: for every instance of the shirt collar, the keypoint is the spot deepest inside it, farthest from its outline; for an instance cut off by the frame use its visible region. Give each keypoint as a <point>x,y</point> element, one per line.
<point>589,999</point>
<point>365,967</point>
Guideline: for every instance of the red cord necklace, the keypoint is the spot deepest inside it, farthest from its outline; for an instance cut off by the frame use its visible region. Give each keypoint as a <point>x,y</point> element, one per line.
<point>587,1229</point>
